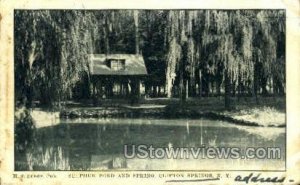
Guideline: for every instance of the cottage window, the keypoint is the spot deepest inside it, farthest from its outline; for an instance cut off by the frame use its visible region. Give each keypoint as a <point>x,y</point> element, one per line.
<point>117,64</point>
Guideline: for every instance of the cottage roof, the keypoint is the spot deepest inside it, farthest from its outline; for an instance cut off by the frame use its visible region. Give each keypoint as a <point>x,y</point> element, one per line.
<point>131,64</point>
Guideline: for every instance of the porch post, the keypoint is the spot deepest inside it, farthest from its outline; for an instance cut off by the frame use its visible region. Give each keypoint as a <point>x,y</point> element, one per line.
<point>94,91</point>
<point>138,90</point>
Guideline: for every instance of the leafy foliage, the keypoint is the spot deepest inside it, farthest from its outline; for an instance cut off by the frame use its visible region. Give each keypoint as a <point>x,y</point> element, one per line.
<point>51,48</point>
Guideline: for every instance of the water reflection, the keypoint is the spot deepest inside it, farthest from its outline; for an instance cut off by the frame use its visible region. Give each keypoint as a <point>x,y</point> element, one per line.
<point>98,145</point>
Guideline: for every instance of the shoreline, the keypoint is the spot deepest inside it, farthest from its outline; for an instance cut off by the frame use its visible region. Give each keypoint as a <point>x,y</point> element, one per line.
<point>270,112</point>
<point>162,113</point>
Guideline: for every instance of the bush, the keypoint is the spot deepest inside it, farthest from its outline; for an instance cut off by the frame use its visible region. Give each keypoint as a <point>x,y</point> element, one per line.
<point>24,131</point>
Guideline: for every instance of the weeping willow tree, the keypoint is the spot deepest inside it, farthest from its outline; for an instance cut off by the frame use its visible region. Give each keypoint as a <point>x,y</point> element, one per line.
<point>78,35</point>
<point>174,53</point>
<point>230,44</point>
<point>238,42</point>
<point>33,60</point>
<point>181,56</point>
<point>270,50</point>
<point>54,53</point>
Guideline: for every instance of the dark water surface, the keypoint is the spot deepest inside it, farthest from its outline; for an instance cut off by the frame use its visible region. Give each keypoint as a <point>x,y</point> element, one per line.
<point>98,144</point>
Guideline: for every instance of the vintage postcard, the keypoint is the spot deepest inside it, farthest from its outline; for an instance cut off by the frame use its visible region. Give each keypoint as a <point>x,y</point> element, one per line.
<point>127,92</point>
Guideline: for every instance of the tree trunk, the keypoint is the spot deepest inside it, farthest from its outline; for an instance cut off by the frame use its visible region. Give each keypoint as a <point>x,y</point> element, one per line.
<point>192,87</point>
<point>256,80</point>
<point>159,93</point>
<point>264,86</point>
<point>135,93</point>
<point>200,83</point>
<point>239,91</point>
<point>106,36</point>
<point>186,89</point>
<point>218,88</point>
<point>136,23</point>
<point>28,90</point>
<point>182,88</point>
<point>227,91</point>
<point>233,89</point>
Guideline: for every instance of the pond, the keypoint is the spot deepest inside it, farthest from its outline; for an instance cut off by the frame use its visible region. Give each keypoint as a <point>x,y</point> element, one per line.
<point>98,144</point>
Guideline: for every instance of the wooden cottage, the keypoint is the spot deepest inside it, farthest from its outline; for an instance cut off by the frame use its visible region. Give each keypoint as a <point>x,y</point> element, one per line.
<point>117,75</point>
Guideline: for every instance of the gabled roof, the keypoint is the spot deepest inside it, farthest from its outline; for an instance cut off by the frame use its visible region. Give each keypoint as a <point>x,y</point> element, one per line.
<point>134,64</point>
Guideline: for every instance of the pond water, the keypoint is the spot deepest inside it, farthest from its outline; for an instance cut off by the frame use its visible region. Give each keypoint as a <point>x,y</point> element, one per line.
<point>98,144</point>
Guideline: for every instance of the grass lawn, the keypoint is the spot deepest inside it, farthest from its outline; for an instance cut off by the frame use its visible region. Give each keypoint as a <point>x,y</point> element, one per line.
<point>268,111</point>
<point>265,111</point>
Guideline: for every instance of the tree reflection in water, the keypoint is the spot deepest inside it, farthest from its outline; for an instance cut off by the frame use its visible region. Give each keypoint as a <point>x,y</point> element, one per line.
<point>91,146</point>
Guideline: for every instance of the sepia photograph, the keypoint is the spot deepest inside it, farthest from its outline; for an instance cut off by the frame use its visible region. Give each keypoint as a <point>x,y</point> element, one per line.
<point>149,89</point>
